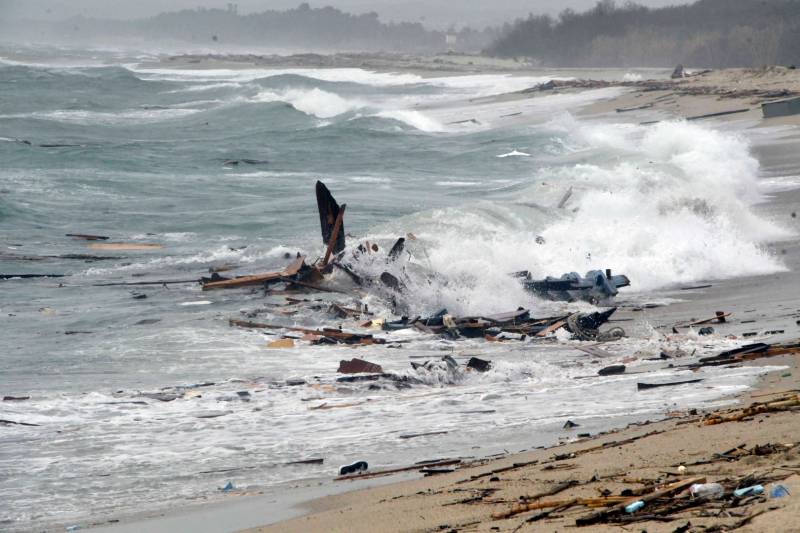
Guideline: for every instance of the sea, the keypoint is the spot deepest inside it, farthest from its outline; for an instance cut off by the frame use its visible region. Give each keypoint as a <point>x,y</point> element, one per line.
<point>142,398</point>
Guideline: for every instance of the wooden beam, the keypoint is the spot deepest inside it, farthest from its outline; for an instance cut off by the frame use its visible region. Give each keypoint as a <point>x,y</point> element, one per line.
<point>334,235</point>
<point>258,279</point>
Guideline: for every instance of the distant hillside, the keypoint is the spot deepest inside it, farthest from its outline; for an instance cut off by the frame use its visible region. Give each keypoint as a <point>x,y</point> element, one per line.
<point>708,33</point>
<point>303,28</point>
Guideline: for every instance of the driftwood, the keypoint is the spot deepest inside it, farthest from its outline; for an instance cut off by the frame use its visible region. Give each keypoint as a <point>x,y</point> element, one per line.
<point>605,514</point>
<point>30,276</point>
<point>335,334</point>
<point>525,507</point>
<point>780,404</point>
<point>244,281</point>
<point>398,470</point>
<point>499,471</point>
<point>87,237</point>
<point>747,353</point>
<point>158,282</point>
<point>646,386</point>
<point>359,366</point>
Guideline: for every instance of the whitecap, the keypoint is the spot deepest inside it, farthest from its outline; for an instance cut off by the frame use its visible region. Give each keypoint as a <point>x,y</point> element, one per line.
<point>514,153</point>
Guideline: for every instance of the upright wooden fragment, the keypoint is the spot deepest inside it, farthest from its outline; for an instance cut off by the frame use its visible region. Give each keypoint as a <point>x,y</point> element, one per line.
<point>332,244</point>
<point>328,213</point>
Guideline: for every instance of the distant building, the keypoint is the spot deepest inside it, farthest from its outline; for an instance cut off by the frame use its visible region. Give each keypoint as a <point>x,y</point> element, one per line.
<point>233,9</point>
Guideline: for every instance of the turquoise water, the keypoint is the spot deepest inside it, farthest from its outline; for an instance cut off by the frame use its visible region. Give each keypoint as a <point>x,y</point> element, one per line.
<point>114,144</point>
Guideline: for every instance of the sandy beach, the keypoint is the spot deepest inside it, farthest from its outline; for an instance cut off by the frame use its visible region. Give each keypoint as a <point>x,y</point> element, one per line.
<point>646,456</point>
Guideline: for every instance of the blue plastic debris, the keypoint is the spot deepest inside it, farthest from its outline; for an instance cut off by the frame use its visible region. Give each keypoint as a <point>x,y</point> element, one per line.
<point>228,487</point>
<point>779,491</point>
<point>72,528</point>
<point>635,506</point>
<point>749,491</point>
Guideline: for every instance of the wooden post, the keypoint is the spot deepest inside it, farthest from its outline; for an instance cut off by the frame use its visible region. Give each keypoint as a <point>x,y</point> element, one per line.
<point>334,235</point>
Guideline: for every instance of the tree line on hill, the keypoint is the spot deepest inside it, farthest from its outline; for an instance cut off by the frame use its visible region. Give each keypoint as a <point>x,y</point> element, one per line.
<point>300,29</point>
<point>707,33</point>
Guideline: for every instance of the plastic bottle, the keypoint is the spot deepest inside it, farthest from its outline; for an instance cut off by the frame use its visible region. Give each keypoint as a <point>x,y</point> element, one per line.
<point>712,491</point>
<point>635,506</point>
<point>749,491</point>
<point>779,491</point>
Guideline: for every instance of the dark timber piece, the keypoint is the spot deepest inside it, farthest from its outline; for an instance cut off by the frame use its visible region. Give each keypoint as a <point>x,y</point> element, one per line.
<point>258,279</point>
<point>397,249</point>
<point>720,114</point>
<point>28,276</point>
<point>335,237</point>
<point>87,237</point>
<point>328,214</point>
<point>135,283</point>
<point>645,386</point>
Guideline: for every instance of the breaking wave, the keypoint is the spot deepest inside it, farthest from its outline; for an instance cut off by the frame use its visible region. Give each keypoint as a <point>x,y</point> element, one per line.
<point>673,205</point>
<point>412,118</point>
<point>316,102</point>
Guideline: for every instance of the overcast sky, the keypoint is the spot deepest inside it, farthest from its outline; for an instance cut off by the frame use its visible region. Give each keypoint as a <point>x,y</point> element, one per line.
<point>477,13</point>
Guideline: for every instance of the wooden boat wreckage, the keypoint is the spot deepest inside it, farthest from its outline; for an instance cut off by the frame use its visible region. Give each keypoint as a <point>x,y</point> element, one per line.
<point>518,324</point>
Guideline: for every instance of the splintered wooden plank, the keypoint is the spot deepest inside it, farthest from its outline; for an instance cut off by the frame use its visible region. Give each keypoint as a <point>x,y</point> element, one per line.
<point>257,279</point>
<point>551,328</point>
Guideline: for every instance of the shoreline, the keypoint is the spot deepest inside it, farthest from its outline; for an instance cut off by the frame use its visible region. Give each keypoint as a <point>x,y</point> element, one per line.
<point>468,497</point>
<point>432,498</point>
<point>326,508</point>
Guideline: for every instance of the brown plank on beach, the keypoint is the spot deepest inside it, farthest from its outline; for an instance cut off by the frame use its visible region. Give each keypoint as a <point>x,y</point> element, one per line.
<point>599,516</point>
<point>123,246</point>
<point>398,470</point>
<point>257,279</point>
